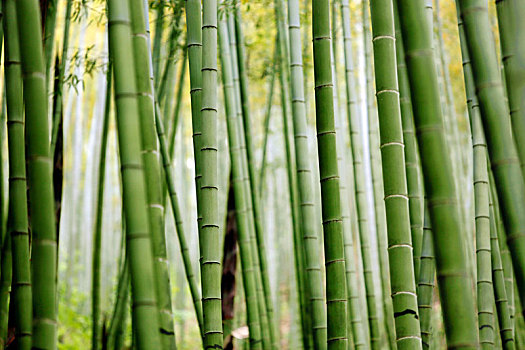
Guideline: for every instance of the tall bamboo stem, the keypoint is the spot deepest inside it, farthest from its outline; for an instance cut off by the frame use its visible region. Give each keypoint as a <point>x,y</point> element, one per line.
<point>403,287</point>
<point>210,235</point>
<point>502,149</point>
<point>40,182</point>
<point>485,291</point>
<point>18,224</point>
<point>453,273</point>
<point>357,174</point>
<point>426,280</point>
<point>138,241</point>
<point>241,200</point>
<point>329,175</point>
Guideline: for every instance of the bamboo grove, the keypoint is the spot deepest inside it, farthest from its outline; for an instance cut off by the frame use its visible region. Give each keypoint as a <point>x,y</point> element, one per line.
<point>273,174</point>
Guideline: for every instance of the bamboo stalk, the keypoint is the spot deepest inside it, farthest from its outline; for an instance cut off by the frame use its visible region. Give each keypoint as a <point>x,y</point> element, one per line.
<point>48,39</point>
<point>181,234</point>
<point>194,47</point>
<point>360,201</point>
<point>400,254</point>
<point>502,149</point>
<point>40,183</point>
<point>500,293</point>
<point>329,175</point>
<point>452,270</point>
<point>178,98</point>
<point>426,280</point>
<point>241,200</point>
<point>304,175</point>
<point>255,196</point>
<point>261,298</point>
<point>301,262</point>
<point>210,236</point>
<point>510,15</point>
<point>138,240</point>
<point>485,290</point>
<point>379,206</point>
<point>412,162</point>
<point>97,236</point>
<point>5,288</point>
<point>150,155</point>
<point>267,116</point>
<point>18,222</point>
<point>57,112</point>
<point>342,161</point>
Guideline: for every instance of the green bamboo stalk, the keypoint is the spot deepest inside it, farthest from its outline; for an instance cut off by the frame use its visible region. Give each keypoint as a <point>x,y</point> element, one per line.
<point>18,223</point>
<point>510,19</point>
<point>163,91</point>
<point>500,293</point>
<point>185,252</point>
<point>413,169</point>
<point>502,149</point>
<point>484,270</point>
<point>379,207</point>
<point>342,161</point>
<point>178,98</point>
<point>358,325</point>
<point>400,254</point>
<point>506,259</point>
<point>210,235</point>
<point>426,280</point>
<point>508,271</point>
<point>452,131</point>
<point>261,301</point>
<point>5,288</point>
<point>255,197</point>
<point>238,173</point>
<point>452,270</point>
<point>49,34</point>
<point>150,150</point>
<point>40,182</point>
<point>485,291</point>
<point>166,85</point>
<point>282,56</point>
<point>448,96</point>
<point>119,310</point>
<point>157,41</point>
<point>57,112</point>
<point>267,116</point>
<point>194,44</point>
<point>301,258</point>
<point>356,173</point>
<point>145,312</point>
<point>97,236</point>
<point>329,175</point>
<point>304,179</point>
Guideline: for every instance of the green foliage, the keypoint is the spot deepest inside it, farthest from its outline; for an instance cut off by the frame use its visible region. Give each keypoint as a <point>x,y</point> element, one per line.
<point>74,328</point>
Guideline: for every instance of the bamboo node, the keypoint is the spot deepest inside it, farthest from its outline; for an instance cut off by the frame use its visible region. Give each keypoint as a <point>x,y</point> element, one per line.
<point>321,86</point>
<point>114,22</point>
<point>403,293</point>
<point>394,143</point>
<point>403,196</point>
<point>336,301</point>
<point>331,340</point>
<point>379,37</point>
<point>400,246</point>
<point>409,337</point>
<point>330,262</point>
<point>328,178</point>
